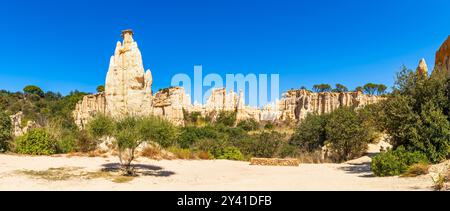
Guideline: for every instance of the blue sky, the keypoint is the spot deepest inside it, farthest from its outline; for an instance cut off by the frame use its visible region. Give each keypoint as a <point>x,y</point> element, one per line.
<point>66,45</point>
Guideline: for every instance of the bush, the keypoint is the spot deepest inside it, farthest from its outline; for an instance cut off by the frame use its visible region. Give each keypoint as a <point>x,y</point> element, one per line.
<point>191,134</point>
<point>347,137</point>
<point>288,151</point>
<point>36,142</point>
<point>214,147</point>
<point>395,162</point>
<point>310,135</point>
<point>100,126</point>
<point>231,153</point>
<point>266,144</point>
<point>269,126</point>
<point>5,131</point>
<point>248,125</point>
<point>184,154</point>
<point>227,118</point>
<point>84,142</point>
<point>158,130</point>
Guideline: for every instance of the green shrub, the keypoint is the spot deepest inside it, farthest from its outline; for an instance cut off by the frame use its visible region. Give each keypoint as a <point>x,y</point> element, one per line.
<point>310,135</point>
<point>266,144</point>
<point>5,131</point>
<point>288,151</point>
<point>227,118</point>
<point>36,142</point>
<point>231,153</point>
<point>67,144</point>
<point>190,135</point>
<point>269,126</point>
<point>248,125</point>
<point>213,146</point>
<point>158,130</point>
<point>84,142</point>
<point>395,162</point>
<point>100,126</point>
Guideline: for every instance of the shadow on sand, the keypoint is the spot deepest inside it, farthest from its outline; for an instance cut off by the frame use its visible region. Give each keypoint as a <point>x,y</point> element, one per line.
<point>143,169</point>
<point>362,169</point>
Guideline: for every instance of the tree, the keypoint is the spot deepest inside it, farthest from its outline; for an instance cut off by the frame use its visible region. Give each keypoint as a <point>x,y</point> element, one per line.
<point>370,88</point>
<point>340,88</point>
<point>359,89</point>
<point>32,89</point>
<point>381,89</point>
<point>347,138</point>
<point>100,88</point>
<point>322,88</point>
<point>5,130</point>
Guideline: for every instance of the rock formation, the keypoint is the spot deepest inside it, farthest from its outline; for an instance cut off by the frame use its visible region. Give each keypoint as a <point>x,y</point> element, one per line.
<point>422,69</point>
<point>19,127</point>
<point>128,91</point>
<point>128,87</point>
<point>297,104</point>
<point>88,107</point>
<point>443,56</point>
<point>170,102</point>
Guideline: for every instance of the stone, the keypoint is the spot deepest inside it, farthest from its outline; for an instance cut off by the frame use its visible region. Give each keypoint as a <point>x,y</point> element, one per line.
<point>170,102</point>
<point>18,128</point>
<point>89,107</point>
<point>422,68</point>
<point>443,56</point>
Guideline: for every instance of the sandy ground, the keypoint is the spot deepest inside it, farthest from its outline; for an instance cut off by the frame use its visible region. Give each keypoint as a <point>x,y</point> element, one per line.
<point>204,175</point>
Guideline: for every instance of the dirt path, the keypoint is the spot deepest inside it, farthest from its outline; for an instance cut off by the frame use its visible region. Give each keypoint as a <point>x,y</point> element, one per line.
<point>201,175</point>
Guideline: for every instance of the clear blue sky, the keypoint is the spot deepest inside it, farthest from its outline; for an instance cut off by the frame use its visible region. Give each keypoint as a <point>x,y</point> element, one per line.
<point>66,45</point>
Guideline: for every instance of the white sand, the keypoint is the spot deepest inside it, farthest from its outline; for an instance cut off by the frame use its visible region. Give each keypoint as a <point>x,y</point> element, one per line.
<point>205,175</point>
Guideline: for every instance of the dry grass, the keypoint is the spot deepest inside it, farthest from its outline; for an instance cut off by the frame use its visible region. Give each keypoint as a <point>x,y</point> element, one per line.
<point>184,154</point>
<point>122,179</point>
<point>67,173</point>
<point>51,174</point>
<point>204,155</point>
<point>417,170</point>
<point>312,157</point>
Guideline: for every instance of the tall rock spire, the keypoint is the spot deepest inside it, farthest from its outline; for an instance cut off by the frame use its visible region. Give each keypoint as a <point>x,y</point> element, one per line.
<point>422,69</point>
<point>128,86</point>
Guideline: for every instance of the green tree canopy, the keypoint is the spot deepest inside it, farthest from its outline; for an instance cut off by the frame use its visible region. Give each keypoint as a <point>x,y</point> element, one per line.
<point>340,88</point>
<point>322,88</point>
<point>100,88</point>
<point>32,89</point>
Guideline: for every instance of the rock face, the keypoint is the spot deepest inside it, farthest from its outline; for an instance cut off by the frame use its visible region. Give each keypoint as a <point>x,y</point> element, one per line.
<point>128,91</point>
<point>88,107</point>
<point>169,103</point>
<point>443,56</point>
<point>18,126</point>
<point>128,87</point>
<point>297,104</point>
